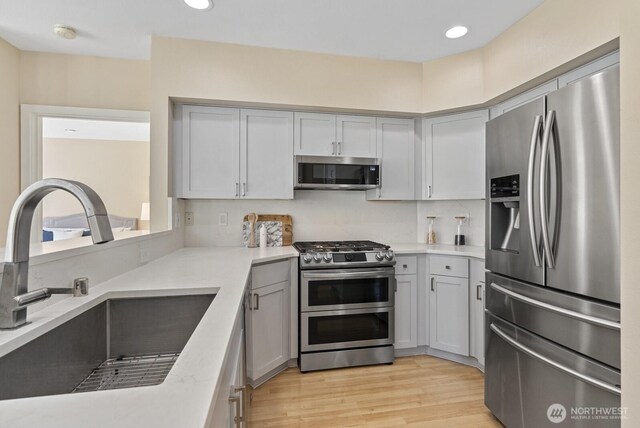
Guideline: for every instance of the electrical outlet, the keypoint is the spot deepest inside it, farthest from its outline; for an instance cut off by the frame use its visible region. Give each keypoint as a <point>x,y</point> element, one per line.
<point>188,219</point>
<point>223,219</point>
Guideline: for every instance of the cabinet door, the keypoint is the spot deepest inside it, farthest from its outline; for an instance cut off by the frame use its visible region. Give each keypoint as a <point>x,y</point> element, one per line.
<point>449,314</point>
<point>266,154</point>
<point>454,156</point>
<point>315,134</point>
<point>210,152</point>
<point>476,310</point>
<point>356,136</point>
<point>590,69</point>
<point>524,98</point>
<point>269,333</point>
<point>396,148</point>
<point>406,312</point>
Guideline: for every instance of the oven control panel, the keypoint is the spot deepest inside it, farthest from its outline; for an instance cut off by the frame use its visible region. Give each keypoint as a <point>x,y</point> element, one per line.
<point>349,259</point>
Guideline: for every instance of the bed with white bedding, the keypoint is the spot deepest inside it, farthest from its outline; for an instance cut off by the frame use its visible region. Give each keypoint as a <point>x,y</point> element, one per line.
<point>76,225</point>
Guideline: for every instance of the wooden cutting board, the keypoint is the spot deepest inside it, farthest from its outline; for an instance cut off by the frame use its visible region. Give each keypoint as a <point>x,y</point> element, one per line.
<point>287,225</point>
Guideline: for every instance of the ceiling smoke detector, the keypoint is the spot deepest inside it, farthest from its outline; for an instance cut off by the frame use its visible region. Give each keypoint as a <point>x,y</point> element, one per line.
<point>456,32</point>
<point>64,31</point>
<point>199,4</point>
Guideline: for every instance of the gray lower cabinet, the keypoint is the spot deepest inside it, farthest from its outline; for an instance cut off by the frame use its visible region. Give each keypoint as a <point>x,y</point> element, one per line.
<point>268,321</point>
<point>406,312</point>
<point>230,406</point>
<point>449,314</point>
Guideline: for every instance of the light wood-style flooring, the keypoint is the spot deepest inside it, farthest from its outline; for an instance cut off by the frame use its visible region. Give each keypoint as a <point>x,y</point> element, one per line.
<point>417,391</point>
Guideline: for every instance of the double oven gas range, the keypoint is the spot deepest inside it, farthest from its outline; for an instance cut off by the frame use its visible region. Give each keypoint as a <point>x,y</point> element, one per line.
<point>346,304</point>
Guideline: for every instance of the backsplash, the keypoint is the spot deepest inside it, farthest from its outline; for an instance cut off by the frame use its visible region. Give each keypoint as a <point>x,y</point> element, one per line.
<point>335,215</point>
<point>446,226</point>
<point>317,215</point>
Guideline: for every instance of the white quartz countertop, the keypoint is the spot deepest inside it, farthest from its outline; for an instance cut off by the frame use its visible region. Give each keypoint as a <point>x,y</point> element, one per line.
<point>442,249</point>
<point>185,397</point>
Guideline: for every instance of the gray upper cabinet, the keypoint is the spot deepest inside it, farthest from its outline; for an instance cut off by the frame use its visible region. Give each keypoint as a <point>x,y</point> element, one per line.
<point>266,154</point>
<point>319,134</point>
<point>210,152</point>
<point>396,148</point>
<point>453,156</point>
<point>228,153</point>
<point>590,69</point>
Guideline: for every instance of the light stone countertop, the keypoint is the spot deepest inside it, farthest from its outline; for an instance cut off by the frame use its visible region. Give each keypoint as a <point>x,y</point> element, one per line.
<point>442,249</point>
<point>185,398</point>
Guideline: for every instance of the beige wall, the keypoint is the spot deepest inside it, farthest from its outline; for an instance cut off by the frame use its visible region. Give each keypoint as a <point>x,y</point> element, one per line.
<point>630,196</point>
<point>84,81</point>
<point>551,35</point>
<point>9,134</point>
<point>117,170</point>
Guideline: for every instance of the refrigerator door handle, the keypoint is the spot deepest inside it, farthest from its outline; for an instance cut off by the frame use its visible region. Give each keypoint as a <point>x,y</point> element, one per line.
<point>535,137</point>
<point>600,322</point>
<point>614,389</point>
<point>544,220</point>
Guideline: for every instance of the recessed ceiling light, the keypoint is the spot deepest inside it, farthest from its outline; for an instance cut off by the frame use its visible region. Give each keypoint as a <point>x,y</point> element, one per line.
<point>64,31</point>
<point>457,31</point>
<point>199,4</point>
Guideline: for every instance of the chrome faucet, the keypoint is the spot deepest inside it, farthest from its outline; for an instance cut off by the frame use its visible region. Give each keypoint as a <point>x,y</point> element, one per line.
<point>14,297</point>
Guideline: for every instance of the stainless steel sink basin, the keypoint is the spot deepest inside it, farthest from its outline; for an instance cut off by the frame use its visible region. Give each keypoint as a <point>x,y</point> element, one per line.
<point>120,343</point>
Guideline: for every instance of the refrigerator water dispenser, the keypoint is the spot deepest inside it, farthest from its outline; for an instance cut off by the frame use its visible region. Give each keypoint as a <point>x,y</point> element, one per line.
<point>505,213</point>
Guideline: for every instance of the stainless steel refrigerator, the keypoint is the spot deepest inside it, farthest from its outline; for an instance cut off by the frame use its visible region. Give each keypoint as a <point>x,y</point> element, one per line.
<point>553,255</point>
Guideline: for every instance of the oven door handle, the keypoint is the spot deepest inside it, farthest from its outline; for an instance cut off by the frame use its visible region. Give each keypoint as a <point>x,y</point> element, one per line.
<point>342,275</point>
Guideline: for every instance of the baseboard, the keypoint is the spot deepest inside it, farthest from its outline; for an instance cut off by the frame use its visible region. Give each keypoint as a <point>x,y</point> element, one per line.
<point>425,350</point>
<point>254,383</point>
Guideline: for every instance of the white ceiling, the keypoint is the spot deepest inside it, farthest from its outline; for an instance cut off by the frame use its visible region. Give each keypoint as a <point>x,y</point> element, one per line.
<point>411,30</point>
<point>85,129</point>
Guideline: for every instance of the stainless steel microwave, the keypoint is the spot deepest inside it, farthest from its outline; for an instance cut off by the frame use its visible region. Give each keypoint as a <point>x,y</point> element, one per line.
<point>337,173</point>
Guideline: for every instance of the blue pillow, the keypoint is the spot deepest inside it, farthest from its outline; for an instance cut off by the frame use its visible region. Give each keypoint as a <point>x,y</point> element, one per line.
<point>86,232</point>
<point>47,235</point>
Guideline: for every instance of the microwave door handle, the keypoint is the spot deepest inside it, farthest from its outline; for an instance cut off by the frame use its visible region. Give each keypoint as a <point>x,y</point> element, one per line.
<point>614,389</point>
<point>535,137</point>
<point>544,158</point>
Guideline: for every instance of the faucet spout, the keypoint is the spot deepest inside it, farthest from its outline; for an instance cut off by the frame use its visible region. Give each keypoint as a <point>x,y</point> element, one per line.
<point>16,268</point>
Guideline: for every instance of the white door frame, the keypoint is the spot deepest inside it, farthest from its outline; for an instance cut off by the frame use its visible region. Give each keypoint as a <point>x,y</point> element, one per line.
<point>31,139</point>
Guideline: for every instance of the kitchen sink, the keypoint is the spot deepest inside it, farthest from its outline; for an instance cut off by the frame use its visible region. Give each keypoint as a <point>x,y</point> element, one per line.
<point>120,343</point>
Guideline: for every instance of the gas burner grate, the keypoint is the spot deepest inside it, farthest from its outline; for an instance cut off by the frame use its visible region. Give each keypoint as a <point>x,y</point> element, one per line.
<point>338,246</point>
<point>129,372</point>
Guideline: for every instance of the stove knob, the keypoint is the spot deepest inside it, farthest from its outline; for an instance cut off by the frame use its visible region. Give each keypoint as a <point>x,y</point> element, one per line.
<point>317,257</point>
<point>389,255</point>
<point>307,258</point>
<point>327,258</point>
<point>379,256</point>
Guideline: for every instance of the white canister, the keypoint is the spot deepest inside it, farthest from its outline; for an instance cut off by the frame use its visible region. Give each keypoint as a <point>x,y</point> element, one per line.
<point>263,235</point>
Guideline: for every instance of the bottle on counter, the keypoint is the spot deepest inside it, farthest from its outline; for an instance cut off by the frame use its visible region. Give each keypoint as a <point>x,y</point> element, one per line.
<point>263,235</point>
<point>431,234</point>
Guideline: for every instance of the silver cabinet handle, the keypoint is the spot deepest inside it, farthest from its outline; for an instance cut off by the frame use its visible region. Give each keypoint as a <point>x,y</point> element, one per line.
<point>535,136</point>
<point>339,148</point>
<point>562,311</point>
<point>479,292</point>
<point>544,220</point>
<point>237,190</point>
<point>428,191</point>
<point>257,306</point>
<point>249,302</point>
<point>333,148</point>
<point>395,285</point>
<point>244,189</point>
<point>240,409</point>
<point>433,287</point>
<point>525,349</point>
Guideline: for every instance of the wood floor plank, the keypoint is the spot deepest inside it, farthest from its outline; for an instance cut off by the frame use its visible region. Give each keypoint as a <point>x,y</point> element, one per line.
<point>414,392</point>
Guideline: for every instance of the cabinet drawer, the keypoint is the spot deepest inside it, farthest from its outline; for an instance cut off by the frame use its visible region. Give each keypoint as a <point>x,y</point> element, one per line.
<point>449,266</point>
<point>406,265</point>
<point>269,273</point>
